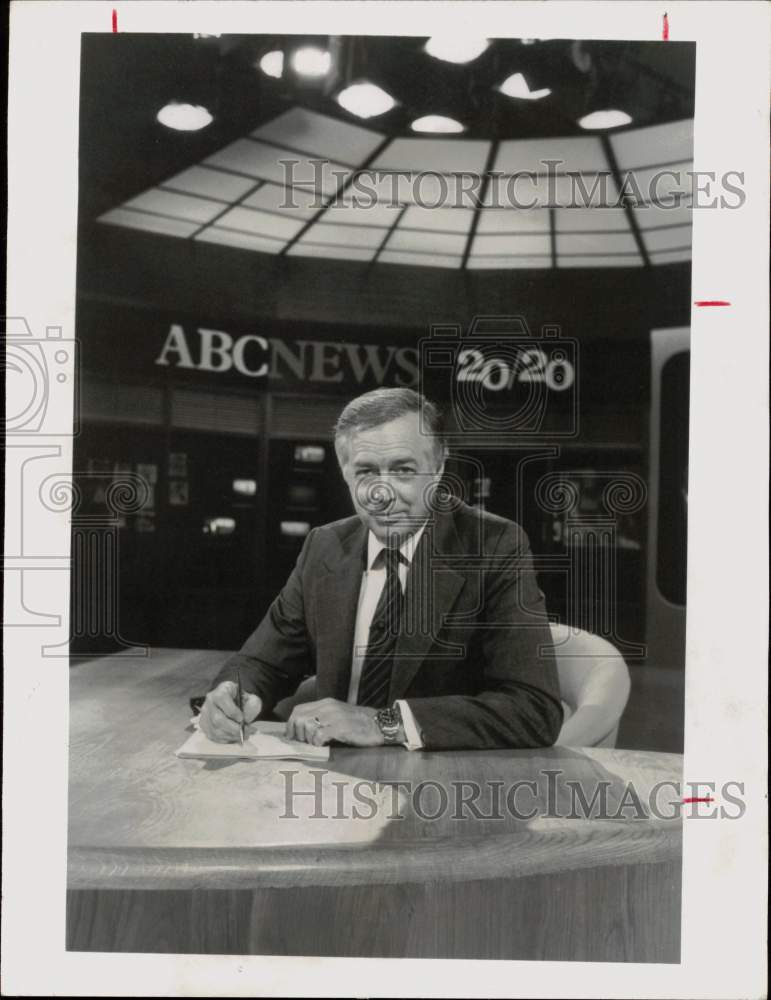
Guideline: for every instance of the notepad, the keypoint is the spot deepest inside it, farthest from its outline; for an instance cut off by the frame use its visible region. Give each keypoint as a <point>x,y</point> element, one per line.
<point>264,742</point>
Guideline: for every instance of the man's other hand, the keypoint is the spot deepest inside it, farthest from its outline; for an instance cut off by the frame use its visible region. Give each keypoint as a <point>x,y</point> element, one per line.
<point>221,717</point>
<point>320,722</point>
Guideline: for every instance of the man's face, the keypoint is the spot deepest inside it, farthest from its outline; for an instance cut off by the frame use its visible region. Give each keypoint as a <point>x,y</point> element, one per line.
<point>391,471</point>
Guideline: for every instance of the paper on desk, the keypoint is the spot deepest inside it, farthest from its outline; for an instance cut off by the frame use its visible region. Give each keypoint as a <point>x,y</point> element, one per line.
<point>264,742</point>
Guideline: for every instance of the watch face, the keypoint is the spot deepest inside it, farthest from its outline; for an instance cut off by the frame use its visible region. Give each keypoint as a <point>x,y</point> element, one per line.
<point>388,721</point>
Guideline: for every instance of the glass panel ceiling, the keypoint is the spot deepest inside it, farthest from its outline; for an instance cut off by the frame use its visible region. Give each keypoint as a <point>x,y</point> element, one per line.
<point>628,260</point>
<point>210,183</point>
<point>352,214</point>
<point>440,155</point>
<point>330,252</point>
<point>476,263</point>
<point>250,220</point>
<point>503,244</point>
<point>641,147</point>
<point>513,220</point>
<point>273,198</point>
<point>233,238</point>
<point>176,206</point>
<point>524,191</point>
<point>671,238</point>
<point>587,220</point>
<point>150,223</point>
<point>670,256</point>
<point>570,243</point>
<point>584,153</point>
<point>353,236</point>
<point>321,136</point>
<point>654,216</point>
<point>432,204</point>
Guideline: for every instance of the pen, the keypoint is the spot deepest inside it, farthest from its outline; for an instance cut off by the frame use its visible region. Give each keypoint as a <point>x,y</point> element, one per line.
<point>241,705</point>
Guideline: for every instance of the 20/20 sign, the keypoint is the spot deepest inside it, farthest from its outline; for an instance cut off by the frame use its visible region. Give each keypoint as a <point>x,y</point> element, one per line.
<point>521,365</point>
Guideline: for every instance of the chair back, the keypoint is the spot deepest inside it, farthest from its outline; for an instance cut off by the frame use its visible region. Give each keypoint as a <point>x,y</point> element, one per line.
<point>594,683</point>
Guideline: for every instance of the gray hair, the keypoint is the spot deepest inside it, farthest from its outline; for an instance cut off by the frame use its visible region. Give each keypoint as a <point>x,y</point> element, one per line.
<point>381,406</point>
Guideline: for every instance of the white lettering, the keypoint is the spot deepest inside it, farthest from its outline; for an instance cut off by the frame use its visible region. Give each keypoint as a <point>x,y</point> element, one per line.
<point>283,352</point>
<point>371,361</point>
<point>215,344</point>
<point>176,342</point>
<point>238,356</point>
<point>325,356</point>
<point>407,359</point>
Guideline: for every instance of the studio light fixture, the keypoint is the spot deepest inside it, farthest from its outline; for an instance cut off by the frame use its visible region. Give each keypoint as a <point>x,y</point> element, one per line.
<point>272,64</point>
<point>310,61</point>
<point>609,118</point>
<point>184,117</point>
<point>516,86</point>
<point>365,100</point>
<point>456,48</point>
<point>436,123</point>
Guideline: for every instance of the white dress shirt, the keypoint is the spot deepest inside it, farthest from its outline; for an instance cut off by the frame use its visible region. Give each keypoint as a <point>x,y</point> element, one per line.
<point>372,582</point>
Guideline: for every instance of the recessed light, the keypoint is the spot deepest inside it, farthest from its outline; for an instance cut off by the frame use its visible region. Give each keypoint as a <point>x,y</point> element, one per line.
<point>184,117</point>
<point>365,100</point>
<point>609,118</point>
<point>310,61</point>
<point>516,86</point>
<point>272,64</point>
<point>456,48</point>
<point>436,123</point>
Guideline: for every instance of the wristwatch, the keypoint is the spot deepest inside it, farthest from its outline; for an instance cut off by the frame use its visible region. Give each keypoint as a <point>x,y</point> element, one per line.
<point>389,722</point>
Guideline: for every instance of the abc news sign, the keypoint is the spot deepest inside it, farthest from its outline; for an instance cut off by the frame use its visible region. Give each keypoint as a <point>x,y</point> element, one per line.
<point>268,358</point>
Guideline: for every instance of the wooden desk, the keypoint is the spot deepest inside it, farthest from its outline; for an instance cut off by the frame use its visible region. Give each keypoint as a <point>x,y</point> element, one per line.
<point>170,855</point>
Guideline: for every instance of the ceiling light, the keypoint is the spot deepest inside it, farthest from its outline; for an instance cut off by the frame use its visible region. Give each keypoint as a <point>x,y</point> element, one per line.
<point>272,64</point>
<point>609,118</point>
<point>436,123</point>
<point>516,86</point>
<point>310,61</point>
<point>456,48</point>
<point>365,100</point>
<point>184,117</point>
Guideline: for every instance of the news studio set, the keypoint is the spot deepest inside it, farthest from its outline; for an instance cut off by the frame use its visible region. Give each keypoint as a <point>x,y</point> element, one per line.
<point>270,226</point>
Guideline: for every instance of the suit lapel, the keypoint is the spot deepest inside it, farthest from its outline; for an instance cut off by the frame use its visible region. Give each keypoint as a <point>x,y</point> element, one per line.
<point>432,589</point>
<point>337,598</point>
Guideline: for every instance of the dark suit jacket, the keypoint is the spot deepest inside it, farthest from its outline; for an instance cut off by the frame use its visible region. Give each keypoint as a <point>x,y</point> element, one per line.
<point>474,657</point>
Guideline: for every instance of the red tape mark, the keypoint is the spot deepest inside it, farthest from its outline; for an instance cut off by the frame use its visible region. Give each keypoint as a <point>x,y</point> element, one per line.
<point>712,302</point>
<point>665,32</point>
<point>707,799</point>
<point>115,20</point>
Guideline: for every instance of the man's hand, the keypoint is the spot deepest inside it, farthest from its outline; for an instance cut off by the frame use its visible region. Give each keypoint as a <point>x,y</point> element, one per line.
<point>319,722</point>
<point>221,717</point>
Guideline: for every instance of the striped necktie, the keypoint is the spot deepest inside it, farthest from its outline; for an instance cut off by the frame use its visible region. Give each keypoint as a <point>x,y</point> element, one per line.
<point>383,634</point>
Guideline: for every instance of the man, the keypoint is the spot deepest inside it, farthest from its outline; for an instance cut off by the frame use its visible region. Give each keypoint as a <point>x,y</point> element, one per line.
<point>420,616</point>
